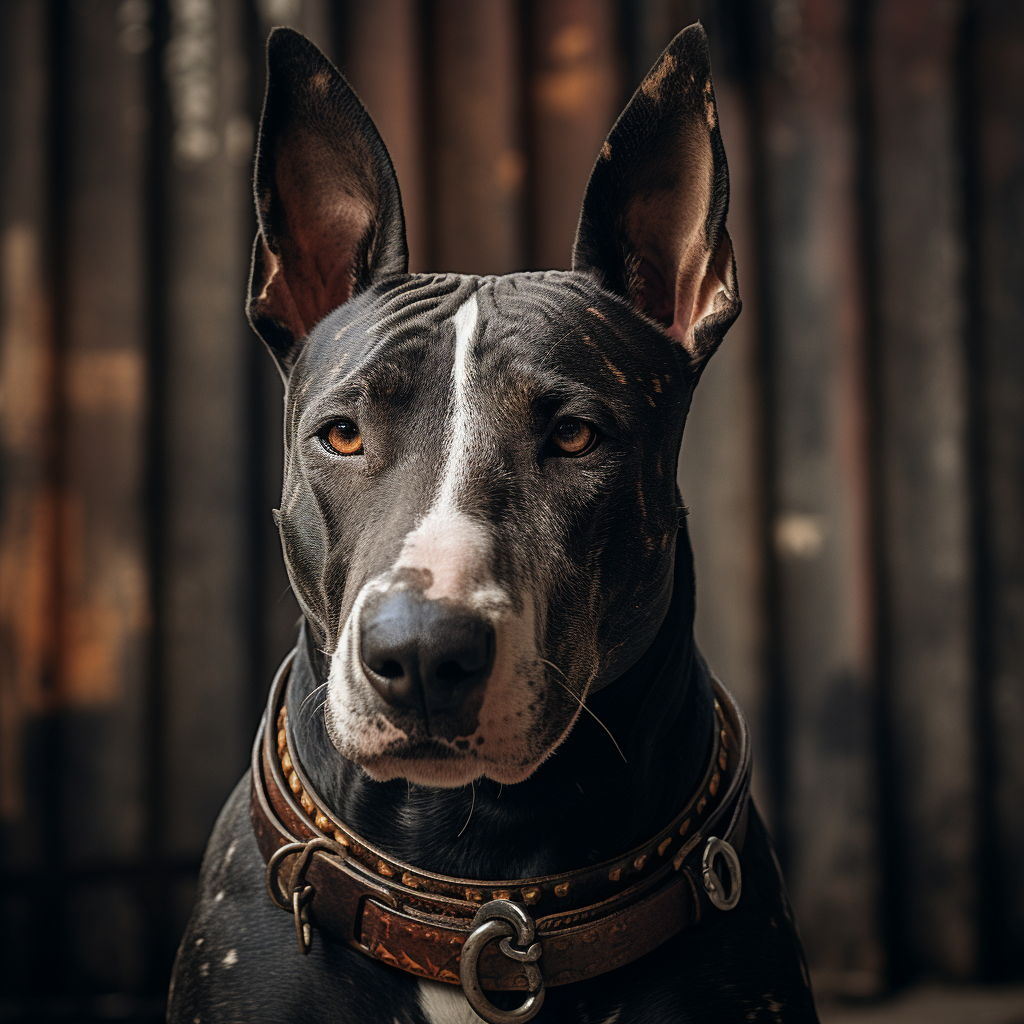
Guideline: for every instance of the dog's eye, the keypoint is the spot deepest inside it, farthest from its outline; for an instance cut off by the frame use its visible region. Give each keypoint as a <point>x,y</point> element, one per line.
<point>574,437</point>
<point>343,437</point>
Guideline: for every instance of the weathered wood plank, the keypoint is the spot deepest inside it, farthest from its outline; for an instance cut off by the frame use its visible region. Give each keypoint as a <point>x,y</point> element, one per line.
<point>816,404</point>
<point>104,610</point>
<point>575,91</point>
<point>997,122</point>
<point>478,167</point>
<point>209,626</point>
<point>928,571</point>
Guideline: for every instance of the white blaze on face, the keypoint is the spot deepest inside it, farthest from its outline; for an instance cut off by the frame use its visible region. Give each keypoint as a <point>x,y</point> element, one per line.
<point>453,547</point>
<point>454,550</point>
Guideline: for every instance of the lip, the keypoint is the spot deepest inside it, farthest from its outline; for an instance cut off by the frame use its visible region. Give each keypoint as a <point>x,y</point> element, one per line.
<point>451,769</point>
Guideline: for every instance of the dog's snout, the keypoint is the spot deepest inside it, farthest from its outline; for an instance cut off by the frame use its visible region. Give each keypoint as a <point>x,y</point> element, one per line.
<point>424,655</point>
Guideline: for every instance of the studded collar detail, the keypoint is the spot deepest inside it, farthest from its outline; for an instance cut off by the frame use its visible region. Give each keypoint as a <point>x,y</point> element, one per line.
<point>575,925</point>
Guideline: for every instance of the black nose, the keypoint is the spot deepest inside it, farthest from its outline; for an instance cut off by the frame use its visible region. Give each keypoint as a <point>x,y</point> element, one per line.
<point>424,655</point>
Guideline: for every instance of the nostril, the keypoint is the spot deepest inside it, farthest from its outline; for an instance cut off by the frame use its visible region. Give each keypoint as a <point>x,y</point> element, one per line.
<point>453,672</point>
<point>390,669</point>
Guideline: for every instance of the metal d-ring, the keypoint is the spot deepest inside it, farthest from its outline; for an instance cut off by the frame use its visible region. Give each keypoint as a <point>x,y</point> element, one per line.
<point>503,920</point>
<point>712,881</point>
<point>301,894</point>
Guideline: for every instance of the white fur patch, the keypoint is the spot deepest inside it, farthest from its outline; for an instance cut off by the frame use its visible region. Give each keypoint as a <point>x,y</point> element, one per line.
<point>445,1004</point>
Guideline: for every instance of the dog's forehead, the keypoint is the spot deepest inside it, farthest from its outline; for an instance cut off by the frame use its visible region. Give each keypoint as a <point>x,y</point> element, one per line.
<point>555,323</point>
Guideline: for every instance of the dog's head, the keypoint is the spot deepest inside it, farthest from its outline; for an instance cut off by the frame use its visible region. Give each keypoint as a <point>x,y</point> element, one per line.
<point>480,509</point>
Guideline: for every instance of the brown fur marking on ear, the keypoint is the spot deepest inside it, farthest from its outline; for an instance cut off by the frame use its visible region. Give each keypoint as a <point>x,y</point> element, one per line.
<point>655,78</point>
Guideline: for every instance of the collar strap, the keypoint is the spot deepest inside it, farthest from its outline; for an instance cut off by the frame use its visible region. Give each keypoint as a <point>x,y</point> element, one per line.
<point>568,927</point>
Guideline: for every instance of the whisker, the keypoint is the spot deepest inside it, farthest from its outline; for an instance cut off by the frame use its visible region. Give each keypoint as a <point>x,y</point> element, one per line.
<point>472,786</point>
<point>318,709</point>
<point>584,707</point>
<point>309,696</point>
<point>555,667</point>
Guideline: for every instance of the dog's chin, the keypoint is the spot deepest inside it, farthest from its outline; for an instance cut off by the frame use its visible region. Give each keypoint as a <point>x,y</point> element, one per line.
<point>444,772</point>
<point>385,752</point>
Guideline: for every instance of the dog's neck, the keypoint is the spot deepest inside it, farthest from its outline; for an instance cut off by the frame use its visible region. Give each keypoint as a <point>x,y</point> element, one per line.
<point>581,806</point>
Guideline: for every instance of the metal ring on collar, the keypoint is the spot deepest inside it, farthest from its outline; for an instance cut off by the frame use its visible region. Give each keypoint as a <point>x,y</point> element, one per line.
<point>712,881</point>
<point>503,920</point>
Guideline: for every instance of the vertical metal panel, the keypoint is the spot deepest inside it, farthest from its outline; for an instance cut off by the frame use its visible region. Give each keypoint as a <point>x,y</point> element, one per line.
<point>718,473</point>
<point>104,615</point>
<point>924,474</point>
<point>278,611</point>
<point>383,62</point>
<point>997,122</point>
<point>819,529</point>
<point>574,90</point>
<point>479,167</point>
<point>26,409</point>
<point>207,630</point>
<point>27,507</point>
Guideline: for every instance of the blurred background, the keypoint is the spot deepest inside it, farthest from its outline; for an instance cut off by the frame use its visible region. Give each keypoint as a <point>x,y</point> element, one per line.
<point>853,465</point>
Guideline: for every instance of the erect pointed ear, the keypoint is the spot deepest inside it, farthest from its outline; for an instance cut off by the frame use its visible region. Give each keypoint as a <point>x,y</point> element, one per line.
<point>652,227</point>
<point>327,201</point>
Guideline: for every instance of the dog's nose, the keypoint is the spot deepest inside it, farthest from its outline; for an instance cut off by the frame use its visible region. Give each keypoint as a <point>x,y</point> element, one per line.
<point>422,654</point>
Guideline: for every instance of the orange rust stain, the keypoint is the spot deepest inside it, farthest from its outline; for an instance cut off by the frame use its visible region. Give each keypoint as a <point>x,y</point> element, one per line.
<point>102,381</point>
<point>106,607</point>
<point>657,384</point>
<point>651,400</point>
<point>26,604</point>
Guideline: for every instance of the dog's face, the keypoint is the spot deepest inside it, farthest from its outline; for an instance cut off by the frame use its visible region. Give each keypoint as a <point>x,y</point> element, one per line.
<point>479,507</point>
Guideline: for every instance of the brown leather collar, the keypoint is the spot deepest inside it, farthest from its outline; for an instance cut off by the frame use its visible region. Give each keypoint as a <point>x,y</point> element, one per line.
<point>568,927</point>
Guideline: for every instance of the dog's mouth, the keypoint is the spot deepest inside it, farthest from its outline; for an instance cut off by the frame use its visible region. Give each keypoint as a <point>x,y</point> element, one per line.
<point>508,742</point>
<point>429,761</point>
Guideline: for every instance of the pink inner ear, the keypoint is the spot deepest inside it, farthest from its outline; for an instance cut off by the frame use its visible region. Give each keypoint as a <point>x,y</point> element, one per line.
<point>275,299</point>
<point>705,297</point>
<point>319,266</point>
<point>326,222</point>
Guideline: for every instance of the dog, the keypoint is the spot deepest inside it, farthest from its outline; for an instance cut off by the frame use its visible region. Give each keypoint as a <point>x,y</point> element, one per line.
<point>495,676</point>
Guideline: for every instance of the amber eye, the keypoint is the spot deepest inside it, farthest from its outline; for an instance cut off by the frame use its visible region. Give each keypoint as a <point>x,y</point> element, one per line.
<point>344,437</point>
<point>573,436</point>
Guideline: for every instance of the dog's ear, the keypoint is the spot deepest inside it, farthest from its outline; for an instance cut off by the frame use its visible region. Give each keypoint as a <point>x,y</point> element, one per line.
<point>327,201</point>
<point>652,228</point>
